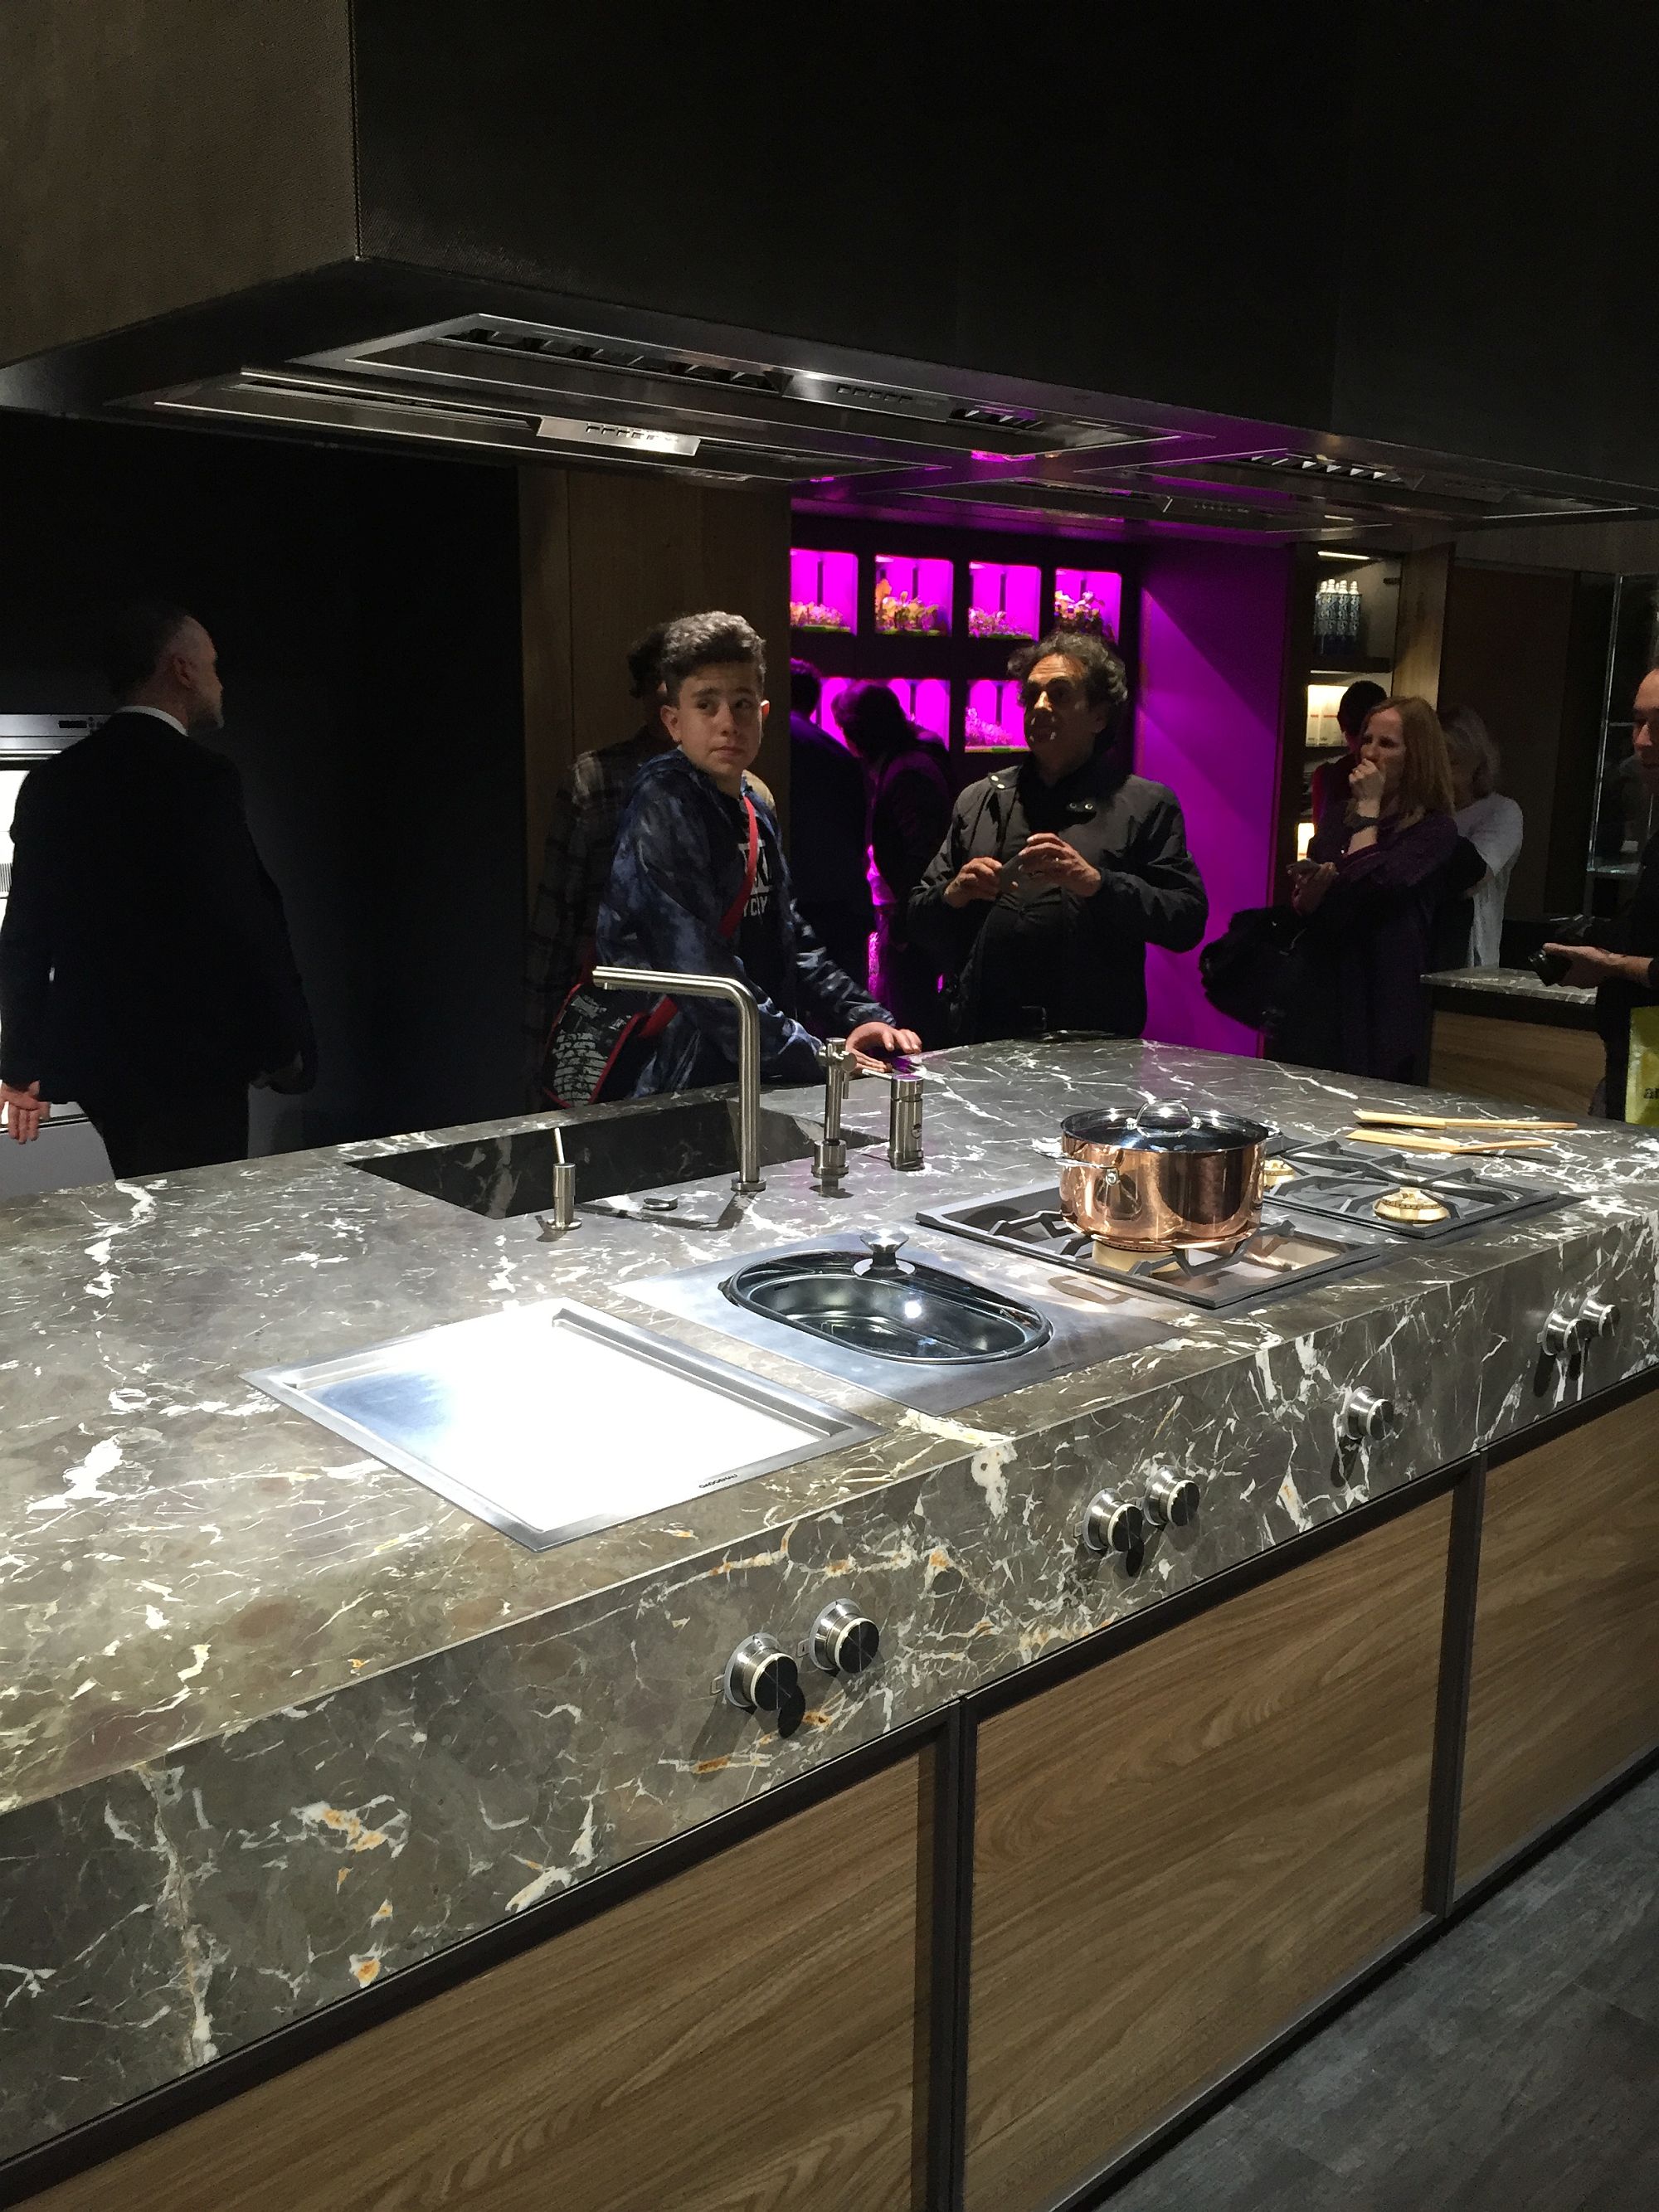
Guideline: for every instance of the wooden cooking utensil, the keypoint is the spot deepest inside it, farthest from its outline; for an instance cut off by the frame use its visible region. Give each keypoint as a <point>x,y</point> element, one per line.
<point>1451,1121</point>
<point>1413,1140</point>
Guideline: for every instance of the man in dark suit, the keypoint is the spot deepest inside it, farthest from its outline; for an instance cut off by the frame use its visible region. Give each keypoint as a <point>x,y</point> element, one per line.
<point>145,969</point>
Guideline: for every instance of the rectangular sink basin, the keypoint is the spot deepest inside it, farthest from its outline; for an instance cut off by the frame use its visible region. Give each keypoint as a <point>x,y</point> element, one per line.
<point>641,1148</point>
<point>550,1421</point>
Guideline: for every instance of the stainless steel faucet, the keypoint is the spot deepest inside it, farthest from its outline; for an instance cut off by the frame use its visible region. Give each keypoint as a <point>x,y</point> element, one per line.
<point>748,1177</point>
<point>830,1168</point>
<point>904,1121</point>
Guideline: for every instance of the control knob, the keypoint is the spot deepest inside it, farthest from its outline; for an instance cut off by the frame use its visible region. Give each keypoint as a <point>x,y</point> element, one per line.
<point>1598,1317</point>
<point>762,1678</point>
<point>1111,1525</point>
<point>1565,1335</point>
<point>1367,1419</point>
<point>1172,1499</point>
<point>843,1641</point>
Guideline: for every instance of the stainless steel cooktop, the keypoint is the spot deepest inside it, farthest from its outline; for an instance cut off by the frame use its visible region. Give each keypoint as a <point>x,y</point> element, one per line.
<point>1339,1208</point>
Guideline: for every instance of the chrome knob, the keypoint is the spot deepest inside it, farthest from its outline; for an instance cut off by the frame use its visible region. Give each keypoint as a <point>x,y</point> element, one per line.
<point>1172,1499</point>
<point>1365,1417</point>
<point>883,1248</point>
<point>1598,1317</point>
<point>843,1641</point>
<point>761,1677</point>
<point>1564,1334</point>
<point>1111,1525</point>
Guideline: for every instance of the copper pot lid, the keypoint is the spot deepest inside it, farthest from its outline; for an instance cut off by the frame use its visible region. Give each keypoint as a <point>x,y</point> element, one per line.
<point>1411,1205</point>
<point>1167,1126</point>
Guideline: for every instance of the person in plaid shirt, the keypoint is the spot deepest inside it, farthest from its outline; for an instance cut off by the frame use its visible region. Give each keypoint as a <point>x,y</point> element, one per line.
<point>577,862</point>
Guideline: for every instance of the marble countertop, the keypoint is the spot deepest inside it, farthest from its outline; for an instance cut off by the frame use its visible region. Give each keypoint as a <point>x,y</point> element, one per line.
<point>1530,992</point>
<point>181,1553</point>
<point>242,1663</point>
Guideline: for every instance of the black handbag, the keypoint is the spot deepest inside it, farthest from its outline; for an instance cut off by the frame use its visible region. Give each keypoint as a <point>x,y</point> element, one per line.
<point>1245,970</point>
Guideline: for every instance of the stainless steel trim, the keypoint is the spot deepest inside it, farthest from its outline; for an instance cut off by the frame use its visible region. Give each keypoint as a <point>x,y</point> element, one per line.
<point>417,1357</point>
<point>748,1177</point>
<point>1092,1322</point>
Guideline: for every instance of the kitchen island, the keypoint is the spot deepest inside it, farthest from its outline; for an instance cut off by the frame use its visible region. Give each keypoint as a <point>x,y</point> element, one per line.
<point>1504,1033</point>
<point>357,1854</point>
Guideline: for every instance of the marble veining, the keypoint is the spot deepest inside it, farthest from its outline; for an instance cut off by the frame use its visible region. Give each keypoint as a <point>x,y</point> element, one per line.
<point>275,1721</point>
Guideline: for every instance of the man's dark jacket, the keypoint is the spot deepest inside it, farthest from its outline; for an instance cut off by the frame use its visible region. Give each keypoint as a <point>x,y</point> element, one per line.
<point>1041,956</point>
<point>144,943</point>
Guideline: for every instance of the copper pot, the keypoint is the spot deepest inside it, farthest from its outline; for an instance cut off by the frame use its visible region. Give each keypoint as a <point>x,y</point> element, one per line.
<point>1162,1178</point>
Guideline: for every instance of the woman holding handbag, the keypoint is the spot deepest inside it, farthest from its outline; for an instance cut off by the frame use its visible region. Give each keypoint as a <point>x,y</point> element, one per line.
<point>699,884</point>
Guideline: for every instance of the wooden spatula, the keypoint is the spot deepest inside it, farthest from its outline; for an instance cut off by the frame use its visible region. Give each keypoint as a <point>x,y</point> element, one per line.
<point>1451,1121</point>
<point>1413,1140</point>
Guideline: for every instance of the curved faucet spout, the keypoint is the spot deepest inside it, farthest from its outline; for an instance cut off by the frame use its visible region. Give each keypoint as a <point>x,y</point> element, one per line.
<point>748,1177</point>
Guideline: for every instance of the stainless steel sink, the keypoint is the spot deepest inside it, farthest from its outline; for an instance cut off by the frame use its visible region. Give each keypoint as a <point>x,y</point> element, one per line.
<point>887,1307</point>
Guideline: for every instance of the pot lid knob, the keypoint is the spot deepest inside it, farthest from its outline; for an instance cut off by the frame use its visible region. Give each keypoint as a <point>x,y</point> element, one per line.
<point>1165,1114</point>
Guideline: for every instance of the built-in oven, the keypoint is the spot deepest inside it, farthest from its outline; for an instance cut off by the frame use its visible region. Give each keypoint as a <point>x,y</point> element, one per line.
<point>67,1149</point>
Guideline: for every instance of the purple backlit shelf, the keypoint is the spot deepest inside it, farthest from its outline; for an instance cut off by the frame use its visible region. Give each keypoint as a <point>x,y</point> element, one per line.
<point>1003,601</point>
<point>926,701</point>
<point>1089,592</point>
<point>996,721</point>
<point>824,590</point>
<point>912,596</point>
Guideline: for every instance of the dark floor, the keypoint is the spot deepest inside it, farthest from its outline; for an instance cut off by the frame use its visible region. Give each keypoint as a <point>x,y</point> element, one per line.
<point>1511,2067</point>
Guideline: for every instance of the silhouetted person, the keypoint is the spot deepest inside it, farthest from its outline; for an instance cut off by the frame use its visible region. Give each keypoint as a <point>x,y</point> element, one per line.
<point>909,813</point>
<point>581,836</point>
<point>145,969</point>
<point>828,804</point>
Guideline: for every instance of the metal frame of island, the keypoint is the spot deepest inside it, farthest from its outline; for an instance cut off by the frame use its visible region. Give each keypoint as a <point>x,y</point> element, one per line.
<point>354,1850</point>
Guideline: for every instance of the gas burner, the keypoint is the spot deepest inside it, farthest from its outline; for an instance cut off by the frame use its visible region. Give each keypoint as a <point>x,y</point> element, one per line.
<point>1336,1182</point>
<point>1410,1204</point>
<point>1280,1255</point>
<point>1274,1172</point>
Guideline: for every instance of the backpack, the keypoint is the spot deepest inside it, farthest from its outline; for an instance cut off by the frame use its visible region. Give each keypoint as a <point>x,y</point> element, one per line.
<point>600,1040</point>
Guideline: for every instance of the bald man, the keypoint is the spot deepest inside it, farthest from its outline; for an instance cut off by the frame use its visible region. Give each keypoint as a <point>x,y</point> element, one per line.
<point>145,969</point>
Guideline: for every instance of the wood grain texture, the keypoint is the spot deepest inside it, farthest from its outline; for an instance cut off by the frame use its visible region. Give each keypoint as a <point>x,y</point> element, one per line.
<point>1420,625</point>
<point>1525,1063</point>
<point>1565,1683</point>
<point>1177,1851</point>
<point>157,153</point>
<point>739,2039</point>
<point>607,554</point>
<point>1505,652</point>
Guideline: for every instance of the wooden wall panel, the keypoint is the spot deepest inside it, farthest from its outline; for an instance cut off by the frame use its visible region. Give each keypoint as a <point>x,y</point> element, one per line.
<point>157,153</point>
<point>1566,1684</point>
<point>1419,627</point>
<point>607,554</point>
<point>1505,654</point>
<point>1177,1851</point>
<point>740,2039</point>
<point>1520,1063</point>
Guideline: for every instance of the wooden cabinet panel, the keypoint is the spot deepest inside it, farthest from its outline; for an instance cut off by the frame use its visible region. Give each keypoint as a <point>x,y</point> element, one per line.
<point>740,2039</point>
<point>1177,1851</point>
<point>1565,1683</point>
<point>1521,1063</point>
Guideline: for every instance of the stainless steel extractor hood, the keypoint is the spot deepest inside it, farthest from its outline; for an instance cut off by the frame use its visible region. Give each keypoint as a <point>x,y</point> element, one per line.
<point>896,438</point>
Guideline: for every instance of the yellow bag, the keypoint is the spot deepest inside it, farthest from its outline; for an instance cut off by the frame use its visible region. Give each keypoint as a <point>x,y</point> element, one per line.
<point>1641,1081</point>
